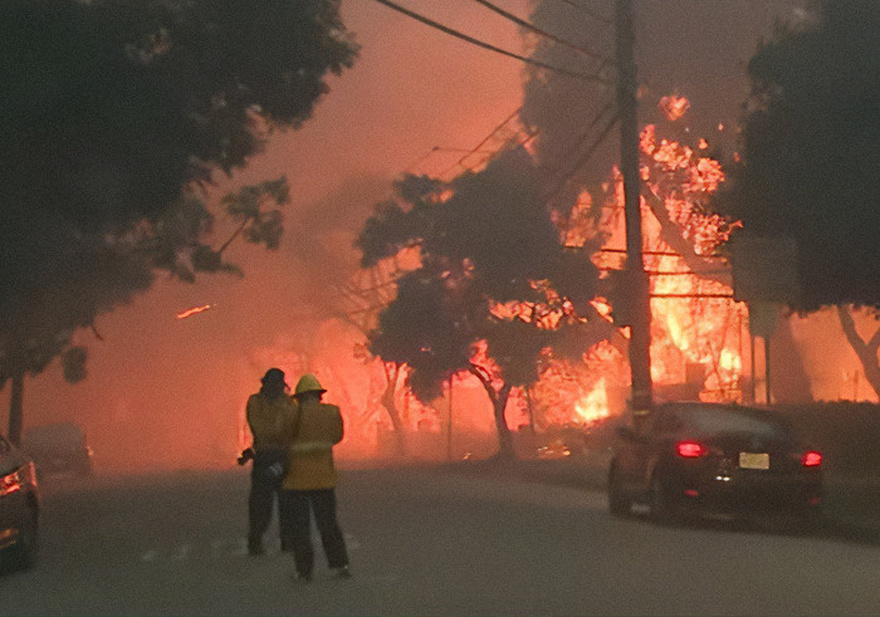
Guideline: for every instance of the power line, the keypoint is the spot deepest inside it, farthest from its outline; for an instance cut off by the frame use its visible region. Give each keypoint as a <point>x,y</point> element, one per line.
<point>476,148</point>
<point>590,151</point>
<point>470,39</point>
<point>524,24</point>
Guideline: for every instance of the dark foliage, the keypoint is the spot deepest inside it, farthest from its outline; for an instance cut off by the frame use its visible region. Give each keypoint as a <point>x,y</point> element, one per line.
<point>487,237</point>
<point>497,220</point>
<point>393,227</point>
<point>108,110</point>
<point>810,168</point>
<point>430,327</point>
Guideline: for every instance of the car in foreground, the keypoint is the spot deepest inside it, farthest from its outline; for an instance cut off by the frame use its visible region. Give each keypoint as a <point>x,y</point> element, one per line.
<point>19,508</point>
<point>59,447</point>
<point>696,458</point>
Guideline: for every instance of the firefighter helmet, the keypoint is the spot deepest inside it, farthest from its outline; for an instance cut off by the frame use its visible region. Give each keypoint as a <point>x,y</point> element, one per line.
<point>308,383</point>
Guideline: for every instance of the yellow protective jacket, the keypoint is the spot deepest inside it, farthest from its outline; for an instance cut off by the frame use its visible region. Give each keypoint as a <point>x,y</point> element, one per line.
<point>270,420</point>
<point>318,428</point>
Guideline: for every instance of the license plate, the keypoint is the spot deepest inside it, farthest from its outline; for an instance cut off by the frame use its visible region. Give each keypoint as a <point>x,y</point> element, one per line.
<point>754,460</point>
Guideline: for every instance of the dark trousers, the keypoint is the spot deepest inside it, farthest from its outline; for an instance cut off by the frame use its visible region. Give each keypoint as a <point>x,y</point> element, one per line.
<point>299,506</point>
<point>265,487</point>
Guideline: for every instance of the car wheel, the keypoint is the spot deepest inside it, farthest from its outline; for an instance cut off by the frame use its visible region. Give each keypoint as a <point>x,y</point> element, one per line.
<point>661,509</point>
<point>618,503</point>
<point>26,550</point>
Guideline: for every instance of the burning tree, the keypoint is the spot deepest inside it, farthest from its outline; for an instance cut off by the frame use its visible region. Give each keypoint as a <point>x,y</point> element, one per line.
<point>112,113</point>
<point>496,294</point>
<point>809,168</point>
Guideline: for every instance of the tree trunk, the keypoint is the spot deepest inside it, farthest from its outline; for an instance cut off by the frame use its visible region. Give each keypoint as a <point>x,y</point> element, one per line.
<point>530,410</point>
<point>704,268</point>
<point>865,350</point>
<point>16,409</point>
<point>499,404</point>
<point>791,382</point>
<point>505,439</point>
<point>391,374</point>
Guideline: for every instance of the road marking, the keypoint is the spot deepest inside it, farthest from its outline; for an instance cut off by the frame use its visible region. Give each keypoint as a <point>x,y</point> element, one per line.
<point>150,555</point>
<point>239,548</point>
<point>377,578</point>
<point>181,553</point>
<point>220,548</point>
<point>351,542</point>
<point>641,509</point>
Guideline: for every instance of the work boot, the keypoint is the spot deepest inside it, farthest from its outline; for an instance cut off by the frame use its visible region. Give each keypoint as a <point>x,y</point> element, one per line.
<point>341,572</point>
<point>255,548</point>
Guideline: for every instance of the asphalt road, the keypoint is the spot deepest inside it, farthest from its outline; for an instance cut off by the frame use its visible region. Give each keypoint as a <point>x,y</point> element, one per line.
<point>422,542</point>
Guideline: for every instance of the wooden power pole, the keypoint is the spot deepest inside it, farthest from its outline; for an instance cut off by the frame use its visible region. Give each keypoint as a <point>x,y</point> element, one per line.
<point>637,279</point>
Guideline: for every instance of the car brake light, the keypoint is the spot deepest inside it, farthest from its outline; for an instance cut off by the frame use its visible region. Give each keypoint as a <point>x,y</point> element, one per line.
<point>811,459</point>
<point>690,449</point>
<point>10,483</point>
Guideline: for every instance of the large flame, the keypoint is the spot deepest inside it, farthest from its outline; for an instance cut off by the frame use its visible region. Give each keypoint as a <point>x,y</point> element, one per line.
<point>594,405</point>
<point>697,329</point>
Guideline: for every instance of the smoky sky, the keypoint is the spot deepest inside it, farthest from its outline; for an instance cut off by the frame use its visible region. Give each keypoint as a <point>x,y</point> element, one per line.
<point>163,391</point>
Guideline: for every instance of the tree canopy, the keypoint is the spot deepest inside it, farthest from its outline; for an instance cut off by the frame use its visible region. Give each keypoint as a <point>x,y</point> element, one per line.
<point>809,168</point>
<point>493,269</point>
<point>111,113</point>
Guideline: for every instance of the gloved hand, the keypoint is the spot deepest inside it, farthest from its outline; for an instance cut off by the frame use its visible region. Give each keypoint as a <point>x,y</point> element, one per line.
<point>246,455</point>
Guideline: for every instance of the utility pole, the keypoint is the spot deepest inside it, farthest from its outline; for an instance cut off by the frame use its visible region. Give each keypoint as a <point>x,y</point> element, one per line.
<point>638,286</point>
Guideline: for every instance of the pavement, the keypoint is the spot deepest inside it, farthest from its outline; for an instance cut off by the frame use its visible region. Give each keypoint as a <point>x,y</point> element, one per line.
<point>852,502</point>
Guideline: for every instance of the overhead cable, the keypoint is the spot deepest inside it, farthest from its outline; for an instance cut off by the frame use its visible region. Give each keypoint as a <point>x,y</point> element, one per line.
<point>524,24</point>
<point>550,195</point>
<point>482,143</point>
<point>469,39</point>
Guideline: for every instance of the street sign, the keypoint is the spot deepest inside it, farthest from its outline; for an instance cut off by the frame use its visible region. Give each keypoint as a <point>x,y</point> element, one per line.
<point>764,269</point>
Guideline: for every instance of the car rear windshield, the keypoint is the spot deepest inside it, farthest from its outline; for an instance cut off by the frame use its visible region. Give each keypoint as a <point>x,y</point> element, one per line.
<point>54,435</point>
<point>730,420</point>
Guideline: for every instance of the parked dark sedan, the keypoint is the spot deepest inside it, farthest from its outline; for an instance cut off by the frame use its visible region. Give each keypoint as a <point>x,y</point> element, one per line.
<point>59,447</point>
<point>19,508</point>
<point>704,458</point>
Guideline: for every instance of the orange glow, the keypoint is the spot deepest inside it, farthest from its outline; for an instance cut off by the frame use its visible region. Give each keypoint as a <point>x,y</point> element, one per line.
<point>10,483</point>
<point>554,450</point>
<point>696,341</point>
<point>194,311</point>
<point>593,406</point>
<point>674,107</point>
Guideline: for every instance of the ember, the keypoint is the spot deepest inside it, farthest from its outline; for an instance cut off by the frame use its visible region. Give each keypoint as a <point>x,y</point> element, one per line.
<point>194,311</point>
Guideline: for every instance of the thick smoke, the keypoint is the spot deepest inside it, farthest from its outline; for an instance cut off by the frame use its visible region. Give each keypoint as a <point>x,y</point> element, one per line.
<point>167,392</point>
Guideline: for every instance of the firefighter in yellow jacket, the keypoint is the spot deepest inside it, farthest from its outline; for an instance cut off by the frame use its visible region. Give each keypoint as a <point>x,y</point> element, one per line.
<point>309,486</point>
<point>270,416</point>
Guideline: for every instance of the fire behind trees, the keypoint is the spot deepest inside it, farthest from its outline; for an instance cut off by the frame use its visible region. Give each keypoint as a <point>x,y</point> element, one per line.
<point>112,114</point>
<point>486,239</point>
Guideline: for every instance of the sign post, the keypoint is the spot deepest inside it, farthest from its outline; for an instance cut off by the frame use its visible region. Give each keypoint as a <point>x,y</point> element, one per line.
<point>764,277</point>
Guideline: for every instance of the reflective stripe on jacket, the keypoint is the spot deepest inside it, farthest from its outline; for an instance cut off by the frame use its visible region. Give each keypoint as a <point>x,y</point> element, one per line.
<point>270,420</point>
<point>320,427</point>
